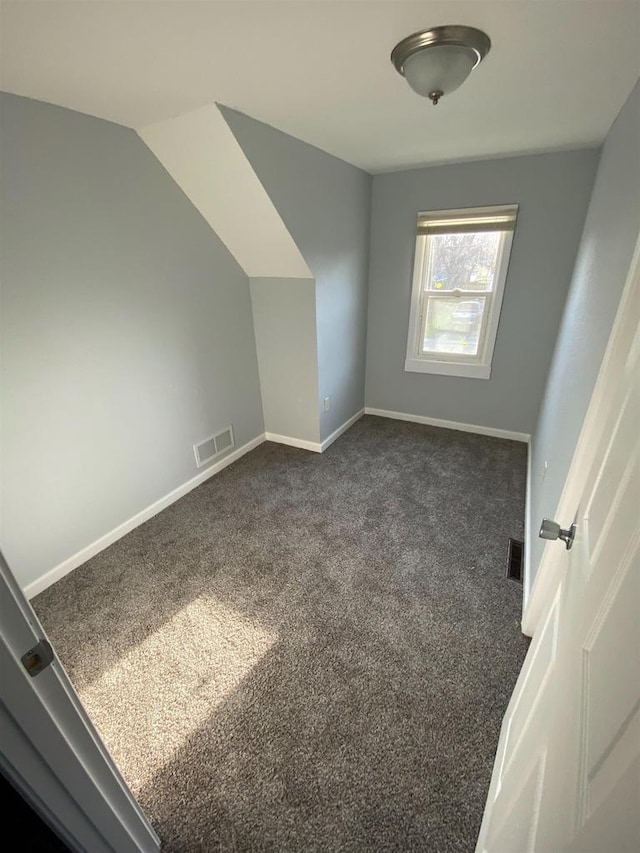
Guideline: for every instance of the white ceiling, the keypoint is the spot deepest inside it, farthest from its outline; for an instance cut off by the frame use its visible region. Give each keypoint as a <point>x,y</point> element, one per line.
<point>557,74</point>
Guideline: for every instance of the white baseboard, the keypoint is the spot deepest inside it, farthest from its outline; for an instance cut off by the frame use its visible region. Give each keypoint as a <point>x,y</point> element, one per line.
<point>314,446</point>
<point>139,518</point>
<point>480,430</point>
<point>289,440</point>
<point>341,429</point>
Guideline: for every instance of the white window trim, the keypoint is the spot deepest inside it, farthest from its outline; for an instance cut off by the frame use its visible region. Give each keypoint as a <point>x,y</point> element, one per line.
<point>473,367</point>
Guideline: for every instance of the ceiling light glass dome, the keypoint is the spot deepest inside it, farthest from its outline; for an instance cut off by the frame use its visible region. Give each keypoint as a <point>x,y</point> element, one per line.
<point>436,62</point>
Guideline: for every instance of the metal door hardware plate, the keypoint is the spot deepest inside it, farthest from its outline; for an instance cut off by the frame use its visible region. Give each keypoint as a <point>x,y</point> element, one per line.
<point>37,658</point>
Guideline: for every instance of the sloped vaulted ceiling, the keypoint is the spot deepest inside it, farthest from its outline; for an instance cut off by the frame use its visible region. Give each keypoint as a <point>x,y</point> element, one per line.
<point>202,155</point>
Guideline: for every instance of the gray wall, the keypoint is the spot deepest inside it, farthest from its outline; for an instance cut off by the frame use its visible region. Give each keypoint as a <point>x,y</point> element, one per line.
<point>325,204</point>
<point>284,319</point>
<point>553,193</point>
<point>127,333</point>
<point>610,235</point>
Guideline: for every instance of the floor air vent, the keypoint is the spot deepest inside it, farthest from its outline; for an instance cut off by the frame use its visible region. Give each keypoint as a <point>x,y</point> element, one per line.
<point>514,560</point>
<point>210,448</point>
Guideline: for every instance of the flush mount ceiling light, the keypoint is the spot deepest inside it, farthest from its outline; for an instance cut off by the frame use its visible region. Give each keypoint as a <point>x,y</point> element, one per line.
<point>435,62</point>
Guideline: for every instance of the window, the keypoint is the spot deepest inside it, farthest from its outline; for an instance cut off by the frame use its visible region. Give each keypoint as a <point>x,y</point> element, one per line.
<point>458,281</point>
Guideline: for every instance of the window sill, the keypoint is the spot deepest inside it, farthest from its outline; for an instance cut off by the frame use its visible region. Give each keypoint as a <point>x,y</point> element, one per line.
<point>448,368</point>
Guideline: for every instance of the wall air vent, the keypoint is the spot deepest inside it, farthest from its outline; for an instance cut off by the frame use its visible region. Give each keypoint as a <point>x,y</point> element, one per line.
<point>223,440</point>
<point>214,446</point>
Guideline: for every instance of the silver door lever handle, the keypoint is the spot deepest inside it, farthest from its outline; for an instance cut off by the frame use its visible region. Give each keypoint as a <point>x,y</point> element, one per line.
<point>551,530</point>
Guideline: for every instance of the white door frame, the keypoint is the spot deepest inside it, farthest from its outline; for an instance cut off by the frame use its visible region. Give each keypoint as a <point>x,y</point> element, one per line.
<point>549,570</point>
<point>51,751</point>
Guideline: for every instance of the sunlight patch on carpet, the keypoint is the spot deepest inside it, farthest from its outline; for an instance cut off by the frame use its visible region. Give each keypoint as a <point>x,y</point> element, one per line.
<point>168,685</point>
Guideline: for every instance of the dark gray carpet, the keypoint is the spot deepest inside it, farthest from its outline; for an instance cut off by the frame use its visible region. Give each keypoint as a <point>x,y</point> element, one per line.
<point>310,653</point>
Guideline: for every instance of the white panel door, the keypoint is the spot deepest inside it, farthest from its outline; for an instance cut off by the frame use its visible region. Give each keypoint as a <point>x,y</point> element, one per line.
<point>567,771</point>
<point>51,751</point>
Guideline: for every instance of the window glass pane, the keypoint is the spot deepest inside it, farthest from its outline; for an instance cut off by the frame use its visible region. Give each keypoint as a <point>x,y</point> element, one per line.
<point>453,325</point>
<point>463,261</point>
